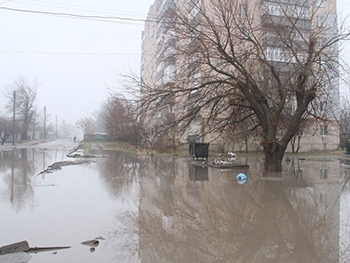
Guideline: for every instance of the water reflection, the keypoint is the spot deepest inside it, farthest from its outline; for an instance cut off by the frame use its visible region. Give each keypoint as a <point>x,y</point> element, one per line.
<point>198,173</point>
<point>17,167</point>
<point>217,220</point>
<point>169,210</point>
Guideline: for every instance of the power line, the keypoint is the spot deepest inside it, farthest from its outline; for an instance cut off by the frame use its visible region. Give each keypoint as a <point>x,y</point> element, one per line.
<point>67,36</point>
<point>68,53</point>
<point>72,7</point>
<point>109,19</point>
<point>87,17</point>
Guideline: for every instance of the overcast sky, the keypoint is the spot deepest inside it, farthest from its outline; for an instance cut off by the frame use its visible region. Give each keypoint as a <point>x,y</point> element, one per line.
<point>74,60</point>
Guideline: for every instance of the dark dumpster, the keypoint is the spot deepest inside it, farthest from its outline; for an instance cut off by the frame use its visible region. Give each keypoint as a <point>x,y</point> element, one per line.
<point>347,146</point>
<point>199,150</point>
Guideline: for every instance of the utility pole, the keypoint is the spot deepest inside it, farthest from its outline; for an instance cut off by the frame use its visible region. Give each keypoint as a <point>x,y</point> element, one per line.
<point>14,118</point>
<point>44,122</point>
<point>56,129</point>
<point>34,126</point>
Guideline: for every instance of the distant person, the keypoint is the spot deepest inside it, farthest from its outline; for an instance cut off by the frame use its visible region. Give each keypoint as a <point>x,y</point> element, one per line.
<point>74,138</point>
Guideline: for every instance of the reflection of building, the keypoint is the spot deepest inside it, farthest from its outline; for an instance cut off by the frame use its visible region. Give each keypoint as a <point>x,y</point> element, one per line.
<point>314,190</point>
<point>161,64</point>
<point>219,220</point>
<point>344,229</point>
<point>156,215</point>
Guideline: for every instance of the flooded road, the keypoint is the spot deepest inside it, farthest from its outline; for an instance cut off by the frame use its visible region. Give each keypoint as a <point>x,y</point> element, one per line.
<point>143,209</point>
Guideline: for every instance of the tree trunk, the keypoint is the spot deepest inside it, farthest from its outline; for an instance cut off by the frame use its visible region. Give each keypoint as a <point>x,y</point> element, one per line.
<point>4,137</point>
<point>24,132</point>
<point>274,153</point>
<point>24,136</point>
<point>273,161</point>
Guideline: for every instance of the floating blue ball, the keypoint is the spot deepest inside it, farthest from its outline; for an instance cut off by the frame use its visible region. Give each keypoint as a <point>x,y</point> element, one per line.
<point>241,178</point>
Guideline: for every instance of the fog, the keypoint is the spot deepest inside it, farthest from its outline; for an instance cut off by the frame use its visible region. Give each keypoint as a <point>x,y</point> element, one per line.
<point>73,60</point>
<point>172,209</point>
<point>74,57</point>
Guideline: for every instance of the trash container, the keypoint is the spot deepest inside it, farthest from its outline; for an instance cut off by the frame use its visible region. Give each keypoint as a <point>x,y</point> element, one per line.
<point>347,146</point>
<point>199,150</point>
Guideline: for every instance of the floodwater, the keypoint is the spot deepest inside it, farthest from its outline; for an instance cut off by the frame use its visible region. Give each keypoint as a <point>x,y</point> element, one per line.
<point>144,209</point>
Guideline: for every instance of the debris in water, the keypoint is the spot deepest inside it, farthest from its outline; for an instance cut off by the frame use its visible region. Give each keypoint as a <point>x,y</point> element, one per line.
<point>23,246</point>
<point>58,165</point>
<point>91,243</point>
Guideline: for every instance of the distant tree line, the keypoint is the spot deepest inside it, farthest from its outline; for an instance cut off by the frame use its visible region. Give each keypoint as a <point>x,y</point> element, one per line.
<point>21,117</point>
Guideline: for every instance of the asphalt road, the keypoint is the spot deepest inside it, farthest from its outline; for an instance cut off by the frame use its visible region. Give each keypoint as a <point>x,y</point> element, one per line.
<point>38,144</point>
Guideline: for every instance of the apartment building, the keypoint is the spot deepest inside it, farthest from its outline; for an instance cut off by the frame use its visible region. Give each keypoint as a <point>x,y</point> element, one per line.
<point>163,64</point>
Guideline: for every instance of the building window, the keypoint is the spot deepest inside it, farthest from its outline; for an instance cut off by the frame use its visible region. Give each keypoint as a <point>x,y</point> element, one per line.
<point>320,3</point>
<point>277,9</point>
<point>274,54</point>
<point>300,36</point>
<point>297,11</point>
<point>322,65</point>
<point>321,41</point>
<point>320,21</point>
<point>244,32</point>
<point>323,106</point>
<point>194,4</point>
<point>279,54</point>
<point>323,172</point>
<point>323,130</point>
<point>242,10</point>
<point>273,9</point>
<point>300,132</point>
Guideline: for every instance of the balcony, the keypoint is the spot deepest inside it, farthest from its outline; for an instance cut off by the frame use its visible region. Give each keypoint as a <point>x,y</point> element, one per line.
<point>287,13</point>
<point>303,3</point>
<point>170,43</point>
<point>303,24</point>
<point>160,74</point>
<point>166,8</point>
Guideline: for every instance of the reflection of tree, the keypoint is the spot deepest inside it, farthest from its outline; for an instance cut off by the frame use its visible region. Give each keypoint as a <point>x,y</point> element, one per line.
<point>5,158</point>
<point>119,170</point>
<point>224,222</point>
<point>17,167</point>
<point>157,209</point>
<point>121,174</point>
<point>19,190</point>
<point>25,167</point>
<point>345,171</point>
<point>178,220</point>
<point>277,234</point>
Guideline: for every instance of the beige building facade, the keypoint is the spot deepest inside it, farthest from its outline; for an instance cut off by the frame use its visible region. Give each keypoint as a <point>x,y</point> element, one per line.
<point>160,64</point>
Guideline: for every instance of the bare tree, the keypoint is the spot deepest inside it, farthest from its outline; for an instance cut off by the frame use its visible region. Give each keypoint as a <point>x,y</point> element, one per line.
<point>296,139</point>
<point>5,129</point>
<point>87,125</point>
<point>25,99</point>
<point>121,121</point>
<point>272,64</point>
<point>344,123</point>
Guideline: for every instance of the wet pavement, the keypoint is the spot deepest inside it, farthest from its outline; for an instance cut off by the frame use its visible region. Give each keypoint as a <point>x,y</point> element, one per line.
<point>130,208</point>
